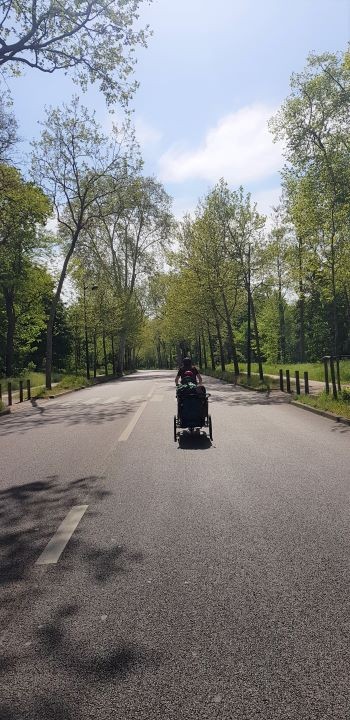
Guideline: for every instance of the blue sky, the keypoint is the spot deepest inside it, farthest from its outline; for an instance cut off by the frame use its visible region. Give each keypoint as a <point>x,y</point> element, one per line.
<point>213,73</point>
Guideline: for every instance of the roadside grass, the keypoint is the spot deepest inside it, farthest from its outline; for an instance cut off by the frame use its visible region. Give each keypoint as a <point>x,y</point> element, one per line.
<point>68,382</point>
<point>315,370</point>
<point>37,379</point>
<point>340,407</point>
<point>2,406</point>
<point>253,382</point>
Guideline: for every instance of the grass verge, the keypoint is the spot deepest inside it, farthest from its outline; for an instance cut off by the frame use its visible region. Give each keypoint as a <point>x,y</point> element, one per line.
<point>340,407</point>
<point>69,382</point>
<point>37,379</point>
<point>253,383</point>
<point>315,370</point>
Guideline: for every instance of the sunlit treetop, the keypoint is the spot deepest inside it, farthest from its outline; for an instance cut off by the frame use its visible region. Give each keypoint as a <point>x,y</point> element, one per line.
<point>94,39</point>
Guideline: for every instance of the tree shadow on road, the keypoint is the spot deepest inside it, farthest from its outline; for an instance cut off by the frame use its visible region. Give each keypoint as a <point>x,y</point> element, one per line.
<point>59,642</point>
<point>55,413</point>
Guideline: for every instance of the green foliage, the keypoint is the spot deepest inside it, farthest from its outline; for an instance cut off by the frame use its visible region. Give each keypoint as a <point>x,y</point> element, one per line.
<point>95,40</point>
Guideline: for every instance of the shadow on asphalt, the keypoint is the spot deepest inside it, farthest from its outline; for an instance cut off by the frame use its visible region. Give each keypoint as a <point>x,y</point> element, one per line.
<point>55,414</point>
<point>232,395</point>
<point>29,515</point>
<point>194,441</point>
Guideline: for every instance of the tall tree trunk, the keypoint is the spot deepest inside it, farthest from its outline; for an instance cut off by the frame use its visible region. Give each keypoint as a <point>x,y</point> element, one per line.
<point>104,351</point>
<point>211,348</point>
<point>257,339</point>
<point>347,302</point>
<point>200,353</point>
<point>334,301</point>
<point>9,296</point>
<point>113,355</point>
<point>281,317</point>
<point>230,335</point>
<point>204,351</point>
<point>218,332</point>
<point>249,323</point>
<point>52,315</point>
<point>95,355</point>
<point>121,353</point>
<point>301,304</point>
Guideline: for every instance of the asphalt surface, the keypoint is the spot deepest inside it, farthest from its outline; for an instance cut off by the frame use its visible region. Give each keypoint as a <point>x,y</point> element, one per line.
<point>203,580</point>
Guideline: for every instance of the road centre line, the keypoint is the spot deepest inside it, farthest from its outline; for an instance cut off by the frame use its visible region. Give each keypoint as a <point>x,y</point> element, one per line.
<point>64,532</point>
<point>129,428</point>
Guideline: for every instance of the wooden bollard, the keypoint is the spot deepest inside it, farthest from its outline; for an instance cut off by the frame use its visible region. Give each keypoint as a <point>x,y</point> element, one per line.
<point>288,380</point>
<point>9,393</point>
<point>306,382</point>
<point>326,378</point>
<point>28,390</point>
<point>21,391</point>
<point>334,385</point>
<point>297,382</point>
<point>281,380</point>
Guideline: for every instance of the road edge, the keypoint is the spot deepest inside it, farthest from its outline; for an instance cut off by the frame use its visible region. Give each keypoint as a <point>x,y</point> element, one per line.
<point>323,413</point>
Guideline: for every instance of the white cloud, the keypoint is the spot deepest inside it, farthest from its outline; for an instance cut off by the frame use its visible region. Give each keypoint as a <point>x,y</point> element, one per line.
<point>239,148</point>
<point>146,134</point>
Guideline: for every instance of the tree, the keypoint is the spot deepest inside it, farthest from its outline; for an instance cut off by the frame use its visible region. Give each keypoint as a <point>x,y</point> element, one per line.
<point>8,131</point>
<point>23,207</point>
<point>314,123</point>
<point>72,161</point>
<point>128,241</point>
<point>92,38</point>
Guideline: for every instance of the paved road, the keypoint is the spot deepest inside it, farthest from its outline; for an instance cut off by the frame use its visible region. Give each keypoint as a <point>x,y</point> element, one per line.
<point>202,581</point>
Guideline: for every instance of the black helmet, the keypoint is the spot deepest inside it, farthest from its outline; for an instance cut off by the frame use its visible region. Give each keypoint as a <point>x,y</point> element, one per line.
<point>187,362</point>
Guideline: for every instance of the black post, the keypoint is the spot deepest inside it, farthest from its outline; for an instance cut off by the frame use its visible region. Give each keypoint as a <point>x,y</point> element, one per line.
<point>21,391</point>
<point>334,385</point>
<point>306,382</point>
<point>338,374</point>
<point>297,382</point>
<point>9,393</point>
<point>326,378</point>
<point>28,390</point>
<point>281,380</point>
<point>288,381</point>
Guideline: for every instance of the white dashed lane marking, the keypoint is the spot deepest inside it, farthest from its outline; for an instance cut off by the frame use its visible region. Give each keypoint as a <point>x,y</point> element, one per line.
<point>64,532</point>
<point>129,428</point>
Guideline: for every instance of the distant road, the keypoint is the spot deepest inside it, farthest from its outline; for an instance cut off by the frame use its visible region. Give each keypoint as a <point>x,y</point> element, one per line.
<point>142,579</point>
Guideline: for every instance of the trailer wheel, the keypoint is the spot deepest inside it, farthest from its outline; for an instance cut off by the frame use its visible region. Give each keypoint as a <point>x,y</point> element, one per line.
<point>210,424</point>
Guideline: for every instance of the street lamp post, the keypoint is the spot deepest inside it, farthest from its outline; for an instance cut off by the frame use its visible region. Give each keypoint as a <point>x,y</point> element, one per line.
<point>85,288</point>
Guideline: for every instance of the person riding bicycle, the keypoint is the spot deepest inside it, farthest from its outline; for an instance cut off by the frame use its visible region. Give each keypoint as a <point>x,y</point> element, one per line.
<point>188,372</point>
